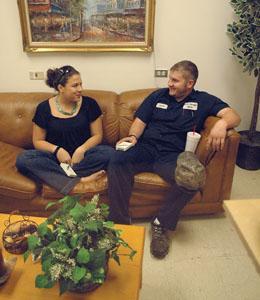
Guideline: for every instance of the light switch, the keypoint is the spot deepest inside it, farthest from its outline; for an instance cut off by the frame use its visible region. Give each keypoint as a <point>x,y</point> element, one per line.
<point>36,75</point>
<point>161,73</point>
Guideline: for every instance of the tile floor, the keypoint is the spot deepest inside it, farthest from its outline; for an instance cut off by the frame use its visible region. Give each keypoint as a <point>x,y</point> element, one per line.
<point>207,260</point>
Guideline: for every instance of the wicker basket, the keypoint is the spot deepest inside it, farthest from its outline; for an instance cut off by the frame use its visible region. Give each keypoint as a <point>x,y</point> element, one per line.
<point>15,234</point>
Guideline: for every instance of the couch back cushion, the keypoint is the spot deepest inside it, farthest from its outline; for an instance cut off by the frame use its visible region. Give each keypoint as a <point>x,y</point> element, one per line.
<point>128,104</point>
<point>17,111</point>
<point>108,102</point>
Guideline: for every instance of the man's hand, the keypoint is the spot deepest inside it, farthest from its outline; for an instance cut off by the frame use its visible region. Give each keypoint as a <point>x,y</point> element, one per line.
<point>63,156</point>
<point>216,138</point>
<point>131,139</point>
<point>135,131</point>
<point>77,156</point>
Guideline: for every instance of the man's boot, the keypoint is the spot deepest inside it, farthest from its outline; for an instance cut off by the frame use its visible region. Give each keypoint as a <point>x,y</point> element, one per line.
<point>159,246</point>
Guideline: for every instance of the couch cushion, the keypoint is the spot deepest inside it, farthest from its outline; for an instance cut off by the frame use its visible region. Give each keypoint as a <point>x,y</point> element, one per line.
<point>150,182</point>
<point>85,190</point>
<point>150,188</point>
<point>16,113</point>
<point>128,104</point>
<point>144,181</point>
<point>108,102</point>
<point>12,183</point>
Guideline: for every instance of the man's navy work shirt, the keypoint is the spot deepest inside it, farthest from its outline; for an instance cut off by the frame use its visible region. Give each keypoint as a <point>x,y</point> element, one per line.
<point>168,121</point>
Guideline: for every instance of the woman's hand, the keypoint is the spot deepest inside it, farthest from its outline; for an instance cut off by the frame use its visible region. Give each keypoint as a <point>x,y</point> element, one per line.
<point>63,156</point>
<point>77,156</point>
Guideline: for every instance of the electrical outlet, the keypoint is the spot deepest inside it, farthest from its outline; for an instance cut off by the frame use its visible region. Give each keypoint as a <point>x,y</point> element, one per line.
<point>161,73</point>
<point>36,75</point>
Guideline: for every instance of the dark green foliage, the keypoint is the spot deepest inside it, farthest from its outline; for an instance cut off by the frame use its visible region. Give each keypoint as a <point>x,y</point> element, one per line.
<point>74,244</point>
<point>245,34</point>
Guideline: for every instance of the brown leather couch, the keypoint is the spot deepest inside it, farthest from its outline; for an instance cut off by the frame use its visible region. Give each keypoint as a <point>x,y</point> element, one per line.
<point>18,192</point>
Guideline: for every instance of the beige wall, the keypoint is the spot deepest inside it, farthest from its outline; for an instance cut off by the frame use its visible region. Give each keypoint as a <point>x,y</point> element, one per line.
<point>186,29</point>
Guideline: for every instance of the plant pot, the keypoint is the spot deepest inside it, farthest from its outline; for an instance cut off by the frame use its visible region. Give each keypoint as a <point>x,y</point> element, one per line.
<point>248,156</point>
<point>84,287</point>
<point>89,286</point>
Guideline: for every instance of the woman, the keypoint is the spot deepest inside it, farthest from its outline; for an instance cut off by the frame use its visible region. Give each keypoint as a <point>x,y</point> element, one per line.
<point>67,129</point>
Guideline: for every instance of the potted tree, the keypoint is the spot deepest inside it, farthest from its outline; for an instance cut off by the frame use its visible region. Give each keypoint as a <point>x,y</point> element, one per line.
<point>74,245</point>
<point>245,34</point>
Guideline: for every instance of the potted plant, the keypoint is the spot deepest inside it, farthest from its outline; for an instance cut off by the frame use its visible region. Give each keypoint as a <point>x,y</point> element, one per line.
<point>74,245</point>
<point>245,34</point>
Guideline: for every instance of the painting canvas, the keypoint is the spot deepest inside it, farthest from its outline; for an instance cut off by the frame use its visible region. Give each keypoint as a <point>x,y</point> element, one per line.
<point>87,25</point>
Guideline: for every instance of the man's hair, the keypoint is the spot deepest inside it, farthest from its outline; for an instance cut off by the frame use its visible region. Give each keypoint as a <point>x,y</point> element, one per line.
<point>187,67</point>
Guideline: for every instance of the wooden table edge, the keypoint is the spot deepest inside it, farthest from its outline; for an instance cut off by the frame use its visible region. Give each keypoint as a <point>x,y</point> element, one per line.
<point>243,239</point>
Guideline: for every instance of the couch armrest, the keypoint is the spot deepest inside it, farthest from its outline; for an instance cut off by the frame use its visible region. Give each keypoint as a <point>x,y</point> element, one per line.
<point>219,165</point>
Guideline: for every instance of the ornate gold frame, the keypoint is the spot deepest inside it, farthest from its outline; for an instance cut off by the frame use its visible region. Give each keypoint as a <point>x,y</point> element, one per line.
<point>143,46</point>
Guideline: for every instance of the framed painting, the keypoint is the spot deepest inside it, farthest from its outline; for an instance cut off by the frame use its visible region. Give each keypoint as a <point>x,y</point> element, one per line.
<point>87,25</point>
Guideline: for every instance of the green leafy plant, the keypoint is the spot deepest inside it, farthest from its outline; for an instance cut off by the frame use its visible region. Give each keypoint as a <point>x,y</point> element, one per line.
<point>245,34</point>
<point>74,245</point>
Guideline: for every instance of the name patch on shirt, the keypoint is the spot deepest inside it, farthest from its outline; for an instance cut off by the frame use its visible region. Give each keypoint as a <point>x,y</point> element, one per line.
<point>161,105</point>
<point>190,105</point>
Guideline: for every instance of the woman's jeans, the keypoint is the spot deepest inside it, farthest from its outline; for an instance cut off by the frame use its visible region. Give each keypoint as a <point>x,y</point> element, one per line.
<point>44,166</point>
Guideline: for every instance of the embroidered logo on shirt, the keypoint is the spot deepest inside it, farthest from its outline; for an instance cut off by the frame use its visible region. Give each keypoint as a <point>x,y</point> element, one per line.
<point>161,105</point>
<point>190,105</point>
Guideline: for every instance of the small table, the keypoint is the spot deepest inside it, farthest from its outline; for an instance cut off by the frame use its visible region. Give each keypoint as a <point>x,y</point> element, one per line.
<point>123,282</point>
<point>246,216</point>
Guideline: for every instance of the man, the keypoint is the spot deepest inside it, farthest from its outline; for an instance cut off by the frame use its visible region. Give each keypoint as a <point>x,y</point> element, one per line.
<point>159,134</point>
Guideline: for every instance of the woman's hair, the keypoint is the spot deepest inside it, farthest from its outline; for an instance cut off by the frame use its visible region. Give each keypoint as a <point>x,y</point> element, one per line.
<point>59,76</point>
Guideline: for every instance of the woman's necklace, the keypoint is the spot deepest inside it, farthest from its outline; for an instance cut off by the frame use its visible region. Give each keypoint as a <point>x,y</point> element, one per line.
<point>59,108</point>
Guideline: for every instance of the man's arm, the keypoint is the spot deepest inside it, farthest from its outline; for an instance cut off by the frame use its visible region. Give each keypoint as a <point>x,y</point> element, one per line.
<point>136,130</point>
<point>228,119</point>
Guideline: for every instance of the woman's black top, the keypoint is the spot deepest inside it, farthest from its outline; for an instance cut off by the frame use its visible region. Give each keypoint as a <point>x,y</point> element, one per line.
<point>68,133</point>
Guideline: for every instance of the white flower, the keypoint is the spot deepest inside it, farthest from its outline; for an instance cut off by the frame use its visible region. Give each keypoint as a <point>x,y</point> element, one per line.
<point>56,271</point>
<point>105,243</point>
<point>71,262</point>
<point>71,224</point>
<point>59,257</point>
